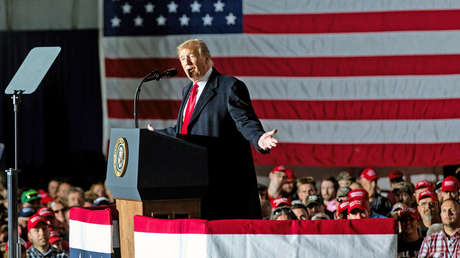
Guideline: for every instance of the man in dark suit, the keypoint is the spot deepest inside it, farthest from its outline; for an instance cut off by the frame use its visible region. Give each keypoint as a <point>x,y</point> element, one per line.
<point>219,106</point>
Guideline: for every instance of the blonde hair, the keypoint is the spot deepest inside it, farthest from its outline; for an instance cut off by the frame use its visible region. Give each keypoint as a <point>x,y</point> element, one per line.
<point>197,44</point>
<point>306,180</point>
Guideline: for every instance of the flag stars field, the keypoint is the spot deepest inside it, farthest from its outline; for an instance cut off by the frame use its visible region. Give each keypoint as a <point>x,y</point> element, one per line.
<point>149,7</point>
<point>184,20</point>
<point>219,6</point>
<point>161,20</point>
<point>231,19</point>
<point>126,8</point>
<point>115,21</point>
<point>138,21</point>
<point>172,7</point>
<point>207,20</point>
<point>195,7</point>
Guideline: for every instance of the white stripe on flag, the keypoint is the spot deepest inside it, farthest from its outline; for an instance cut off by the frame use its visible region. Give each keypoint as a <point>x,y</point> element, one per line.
<point>323,88</point>
<point>263,245</point>
<point>170,245</point>
<point>292,45</point>
<point>332,6</point>
<point>378,131</point>
<point>90,237</point>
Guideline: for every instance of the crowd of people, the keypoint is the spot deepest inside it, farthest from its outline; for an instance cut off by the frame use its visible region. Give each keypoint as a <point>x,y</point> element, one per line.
<point>427,213</point>
<point>43,217</point>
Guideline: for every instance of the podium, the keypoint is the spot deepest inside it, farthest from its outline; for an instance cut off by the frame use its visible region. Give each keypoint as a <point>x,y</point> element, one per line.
<point>151,174</point>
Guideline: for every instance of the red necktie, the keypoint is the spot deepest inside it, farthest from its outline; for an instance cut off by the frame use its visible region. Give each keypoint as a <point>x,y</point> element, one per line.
<point>189,109</point>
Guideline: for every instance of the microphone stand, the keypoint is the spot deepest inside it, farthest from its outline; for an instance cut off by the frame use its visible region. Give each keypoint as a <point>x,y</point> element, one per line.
<point>155,75</point>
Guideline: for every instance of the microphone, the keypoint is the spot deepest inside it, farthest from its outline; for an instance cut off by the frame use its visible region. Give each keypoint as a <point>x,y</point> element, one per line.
<point>169,73</point>
<point>156,75</point>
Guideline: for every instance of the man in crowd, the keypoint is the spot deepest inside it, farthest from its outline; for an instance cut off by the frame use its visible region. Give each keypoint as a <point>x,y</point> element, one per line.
<point>31,198</point>
<point>378,203</point>
<point>428,209</point>
<point>409,236</point>
<point>299,209</point>
<point>53,188</point>
<point>60,210</point>
<point>421,186</point>
<point>342,210</point>
<point>445,243</point>
<point>344,179</point>
<point>62,190</point>
<point>75,197</point>
<point>219,106</point>
<point>280,185</point>
<point>24,216</point>
<point>329,188</point>
<point>395,176</point>
<point>314,205</point>
<point>288,189</point>
<point>437,189</point>
<point>358,209</point>
<point>39,237</point>
<point>404,192</point>
<point>282,210</point>
<point>305,186</point>
<point>342,194</point>
<point>48,215</point>
<point>449,188</point>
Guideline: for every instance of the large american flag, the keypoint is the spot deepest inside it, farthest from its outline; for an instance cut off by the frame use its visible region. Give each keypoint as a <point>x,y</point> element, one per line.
<point>346,83</point>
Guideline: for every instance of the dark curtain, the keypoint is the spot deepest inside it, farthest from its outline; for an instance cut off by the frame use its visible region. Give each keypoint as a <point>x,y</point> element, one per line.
<point>60,125</point>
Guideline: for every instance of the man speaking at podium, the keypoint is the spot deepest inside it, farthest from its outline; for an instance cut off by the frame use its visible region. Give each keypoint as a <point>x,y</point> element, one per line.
<point>219,106</point>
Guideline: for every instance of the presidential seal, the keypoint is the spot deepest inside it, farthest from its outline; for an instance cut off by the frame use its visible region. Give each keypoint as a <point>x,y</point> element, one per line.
<point>120,156</point>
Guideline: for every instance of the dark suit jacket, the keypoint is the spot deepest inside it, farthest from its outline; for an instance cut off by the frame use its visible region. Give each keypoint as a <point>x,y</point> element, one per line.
<point>224,111</point>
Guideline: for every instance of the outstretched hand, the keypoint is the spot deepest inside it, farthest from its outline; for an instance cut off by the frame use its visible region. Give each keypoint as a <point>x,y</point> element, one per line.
<point>267,141</point>
<point>150,127</point>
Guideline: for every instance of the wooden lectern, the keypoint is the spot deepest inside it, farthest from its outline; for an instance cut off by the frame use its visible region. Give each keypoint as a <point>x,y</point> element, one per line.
<point>154,175</point>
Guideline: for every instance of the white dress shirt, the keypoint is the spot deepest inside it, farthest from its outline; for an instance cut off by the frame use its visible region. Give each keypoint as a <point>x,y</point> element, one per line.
<point>201,84</point>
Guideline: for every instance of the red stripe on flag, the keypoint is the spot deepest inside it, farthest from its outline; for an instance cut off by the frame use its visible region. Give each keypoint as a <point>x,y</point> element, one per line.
<point>151,225</point>
<point>139,67</point>
<point>308,110</point>
<point>147,109</point>
<point>300,66</point>
<point>352,22</point>
<point>101,217</point>
<point>195,226</point>
<point>361,155</point>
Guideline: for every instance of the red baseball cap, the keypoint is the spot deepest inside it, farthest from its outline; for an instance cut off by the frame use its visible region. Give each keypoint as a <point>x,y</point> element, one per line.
<point>343,206</point>
<point>369,174</point>
<point>34,220</point>
<point>427,194</point>
<point>358,204</point>
<point>394,174</point>
<point>45,213</point>
<point>424,183</point>
<point>45,197</point>
<point>449,184</point>
<point>279,168</point>
<point>282,201</point>
<point>358,194</point>
<point>409,212</point>
<point>54,236</point>
<point>291,177</point>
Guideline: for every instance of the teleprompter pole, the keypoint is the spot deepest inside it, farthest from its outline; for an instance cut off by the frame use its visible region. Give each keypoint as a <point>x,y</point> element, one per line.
<point>14,250</point>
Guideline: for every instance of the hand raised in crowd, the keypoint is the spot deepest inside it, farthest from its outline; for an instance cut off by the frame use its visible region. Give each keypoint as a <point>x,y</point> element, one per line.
<point>267,141</point>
